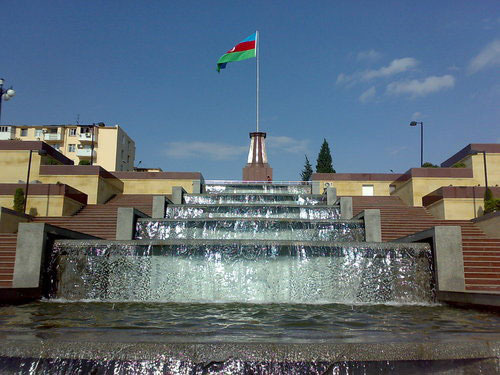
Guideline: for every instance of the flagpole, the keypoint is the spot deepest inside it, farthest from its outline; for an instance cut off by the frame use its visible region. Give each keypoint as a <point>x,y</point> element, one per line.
<point>257,56</point>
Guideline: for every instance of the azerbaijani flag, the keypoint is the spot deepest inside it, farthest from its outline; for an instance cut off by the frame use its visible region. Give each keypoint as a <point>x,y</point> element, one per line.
<point>245,49</point>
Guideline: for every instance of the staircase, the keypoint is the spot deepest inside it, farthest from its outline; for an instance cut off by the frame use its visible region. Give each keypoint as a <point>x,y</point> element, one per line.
<point>7,259</point>
<point>99,220</point>
<point>481,254</point>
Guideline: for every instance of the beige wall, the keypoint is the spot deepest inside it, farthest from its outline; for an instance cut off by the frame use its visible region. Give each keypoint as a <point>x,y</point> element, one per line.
<point>14,166</point>
<point>9,221</point>
<point>354,188</point>
<point>476,162</point>
<point>405,192</point>
<point>457,208</point>
<point>98,189</point>
<point>45,205</point>
<point>154,186</point>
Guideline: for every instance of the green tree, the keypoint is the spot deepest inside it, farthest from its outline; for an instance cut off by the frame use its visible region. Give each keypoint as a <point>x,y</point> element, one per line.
<point>19,200</point>
<point>429,165</point>
<point>490,203</point>
<point>307,171</point>
<point>324,162</point>
<point>84,162</point>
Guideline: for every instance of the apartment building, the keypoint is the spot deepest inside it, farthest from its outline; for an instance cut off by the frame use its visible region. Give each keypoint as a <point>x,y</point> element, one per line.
<point>107,146</point>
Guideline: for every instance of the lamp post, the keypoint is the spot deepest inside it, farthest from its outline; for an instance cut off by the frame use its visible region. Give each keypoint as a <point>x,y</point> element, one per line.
<point>415,123</point>
<point>474,152</point>
<point>5,94</point>
<point>41,153</point>
<point>92,146</point>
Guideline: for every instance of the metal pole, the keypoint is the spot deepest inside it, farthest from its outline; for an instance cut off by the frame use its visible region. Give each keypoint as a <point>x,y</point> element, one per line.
<point>1,94</point>
<point>485,171</point>
<point>92,148</point>
<point>257,56</point>
<point>27,183</point>
<point>421,144</point>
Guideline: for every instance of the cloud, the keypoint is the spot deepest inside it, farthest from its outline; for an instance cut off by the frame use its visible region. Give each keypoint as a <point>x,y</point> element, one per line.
<point>488,57</point>
<point>203,150</point>
<point>368,95</point>
<point>422,87</point>
<point>287,144</point>
<point>369,56</point>
<point>416,116</point>
<point>396,66</point>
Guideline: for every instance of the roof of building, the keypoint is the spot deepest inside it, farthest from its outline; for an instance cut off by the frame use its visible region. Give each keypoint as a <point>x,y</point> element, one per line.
<point>489,148</point>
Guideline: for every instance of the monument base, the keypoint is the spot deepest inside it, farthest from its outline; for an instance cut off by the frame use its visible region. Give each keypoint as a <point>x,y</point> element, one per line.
<point>257,172</point>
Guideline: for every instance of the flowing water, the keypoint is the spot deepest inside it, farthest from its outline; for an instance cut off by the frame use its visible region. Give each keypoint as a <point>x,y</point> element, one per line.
<point>248,198</point>
<point>242,272</point>
<point>257,188</point>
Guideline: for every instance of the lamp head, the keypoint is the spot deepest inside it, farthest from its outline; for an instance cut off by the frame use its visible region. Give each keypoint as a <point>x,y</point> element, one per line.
<point>413,123</point>
<point>11,92</point>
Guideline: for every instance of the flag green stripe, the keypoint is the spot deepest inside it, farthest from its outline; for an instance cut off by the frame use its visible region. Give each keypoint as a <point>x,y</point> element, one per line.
<point>237,56</point>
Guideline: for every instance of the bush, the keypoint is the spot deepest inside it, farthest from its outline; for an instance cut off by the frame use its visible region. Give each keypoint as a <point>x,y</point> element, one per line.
<point>50,161</point>
<point>84,162</point>
<point>460,164</point>
<point>429,165</point>
<point>19,200</point>
<point>490,203</point>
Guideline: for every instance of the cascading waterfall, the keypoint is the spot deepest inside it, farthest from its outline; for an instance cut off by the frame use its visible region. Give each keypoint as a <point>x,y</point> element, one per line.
<point>248,229</point>
<point>245,271</point>
<point>252,211</point>
<point>229,245</point>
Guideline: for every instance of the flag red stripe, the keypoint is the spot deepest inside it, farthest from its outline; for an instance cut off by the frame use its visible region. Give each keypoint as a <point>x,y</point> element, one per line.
<point>244,46</point>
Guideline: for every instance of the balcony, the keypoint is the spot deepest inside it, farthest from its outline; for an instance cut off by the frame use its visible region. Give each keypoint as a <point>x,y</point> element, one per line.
<point>84,153</point>
<point>52,137</point>
<point>87,137</point>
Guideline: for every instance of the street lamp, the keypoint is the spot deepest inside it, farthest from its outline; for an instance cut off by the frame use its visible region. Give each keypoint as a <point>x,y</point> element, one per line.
<point>41,153</point>
<point>474,152</point>
<point>415,123</point>
<point>5,94</point>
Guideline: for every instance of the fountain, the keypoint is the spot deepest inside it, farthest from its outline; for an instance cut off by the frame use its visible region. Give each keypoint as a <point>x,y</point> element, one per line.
<point>244,279</point>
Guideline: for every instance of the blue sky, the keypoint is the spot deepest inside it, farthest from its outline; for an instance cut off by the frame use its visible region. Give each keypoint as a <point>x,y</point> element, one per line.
<point>355,73</point>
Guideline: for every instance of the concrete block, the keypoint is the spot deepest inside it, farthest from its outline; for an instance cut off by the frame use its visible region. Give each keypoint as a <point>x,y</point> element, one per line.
<point>159,205</point>
<point>178,194</point>
<point>373,229</point>
<point>447,251</point>
<point>331,196</point>
<point>30,252</point>
<point>315,187</point>
<point>197,187</point>
<point>10,219</point>
<point>125,222</point>
<point>346,208</point>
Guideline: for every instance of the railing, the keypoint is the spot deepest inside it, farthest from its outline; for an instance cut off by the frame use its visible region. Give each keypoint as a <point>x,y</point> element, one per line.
<point>87,137</point>
<point>52,137</point>
<point>239,182</point>
<point>85,152</point>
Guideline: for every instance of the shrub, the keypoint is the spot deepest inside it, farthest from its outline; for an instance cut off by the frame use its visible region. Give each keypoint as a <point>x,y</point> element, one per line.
<point>460,164</point>
<point>19,200</point>
<point>429,165</point>
<point>84,162</point>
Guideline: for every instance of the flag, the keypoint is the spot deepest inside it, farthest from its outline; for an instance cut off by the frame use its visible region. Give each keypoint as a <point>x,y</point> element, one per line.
<point>245,49</point>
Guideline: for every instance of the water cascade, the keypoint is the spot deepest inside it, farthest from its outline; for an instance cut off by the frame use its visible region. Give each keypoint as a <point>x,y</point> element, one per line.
<point>253,247</point>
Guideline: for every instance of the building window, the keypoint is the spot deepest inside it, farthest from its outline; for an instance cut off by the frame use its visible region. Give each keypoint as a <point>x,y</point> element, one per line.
<point>38,133</point>
<point>4,129</point>
<point>71,148</point>
<point>367,190</point>
<point>72,132</point>
<point>24,132</point>
<point>122,154</point>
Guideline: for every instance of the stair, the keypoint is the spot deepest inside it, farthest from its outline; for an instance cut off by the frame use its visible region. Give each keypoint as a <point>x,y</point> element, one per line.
<point>99,220</point>
<point>481,254</point>
<point>7,259</point>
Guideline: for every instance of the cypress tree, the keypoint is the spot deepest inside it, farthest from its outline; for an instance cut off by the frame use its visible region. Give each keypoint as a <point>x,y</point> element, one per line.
<point>307,171</point>
<point>19,200</point>
<point>324,162</point>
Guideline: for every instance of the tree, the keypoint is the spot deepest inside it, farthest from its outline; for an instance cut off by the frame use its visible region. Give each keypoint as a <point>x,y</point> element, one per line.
<point>459,164</point>
<point>19,200</point>
<point>324,162</point>
<point>490,203</point>
<point>307,171</point>
<point>429,165</point>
